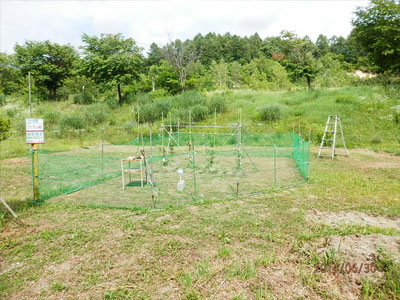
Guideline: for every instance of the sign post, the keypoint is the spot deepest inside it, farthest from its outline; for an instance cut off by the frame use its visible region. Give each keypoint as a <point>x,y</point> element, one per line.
<point>35,136</point>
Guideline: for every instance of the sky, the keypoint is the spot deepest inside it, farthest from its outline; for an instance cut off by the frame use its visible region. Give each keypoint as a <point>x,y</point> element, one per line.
<point>64,22</point>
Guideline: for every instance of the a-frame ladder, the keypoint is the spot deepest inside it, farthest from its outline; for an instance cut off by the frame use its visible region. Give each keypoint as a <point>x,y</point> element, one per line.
<point>330,137</point>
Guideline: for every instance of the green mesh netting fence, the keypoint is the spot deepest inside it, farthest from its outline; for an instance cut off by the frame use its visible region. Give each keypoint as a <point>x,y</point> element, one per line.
<point>212,166</point>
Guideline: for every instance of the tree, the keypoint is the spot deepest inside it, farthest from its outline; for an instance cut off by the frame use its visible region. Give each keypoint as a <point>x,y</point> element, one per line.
<point>323,45</point>
<point>153,75</point>
<point>154,56</point>
<point>236,74</point>
<point>11,79</point>
<point>182,57</point>
<point>110,60</point>
<point>220,73</point>
<point>299,59</point>
<point>49,63</point>
<point>377,27</point>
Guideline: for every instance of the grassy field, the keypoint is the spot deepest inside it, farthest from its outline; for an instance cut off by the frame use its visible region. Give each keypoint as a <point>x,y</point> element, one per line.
<point>265,246</point>
<point>370,116</point>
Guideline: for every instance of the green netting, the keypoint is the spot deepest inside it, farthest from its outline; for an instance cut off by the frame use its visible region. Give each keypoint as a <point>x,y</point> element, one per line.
<point>215,166</point>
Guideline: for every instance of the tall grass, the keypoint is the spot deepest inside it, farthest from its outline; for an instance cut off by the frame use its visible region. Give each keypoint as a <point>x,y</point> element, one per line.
<point>369,114</point>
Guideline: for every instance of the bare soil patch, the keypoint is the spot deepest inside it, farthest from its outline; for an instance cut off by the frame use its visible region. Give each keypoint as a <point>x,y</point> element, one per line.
<point>365,159</point>
<point>353,218</point>
<point>360,249</point>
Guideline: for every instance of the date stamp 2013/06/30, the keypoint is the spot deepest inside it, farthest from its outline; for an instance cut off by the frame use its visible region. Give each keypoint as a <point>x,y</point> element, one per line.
<point>345,267</point>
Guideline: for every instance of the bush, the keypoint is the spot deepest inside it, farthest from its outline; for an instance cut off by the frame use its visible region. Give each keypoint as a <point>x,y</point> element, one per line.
<point>158,93</point>
<point>199,112</point>
<point>71,122</point>
<point>345,99</point>
<point>4,128</point>
<point>189,99</point>
<point>129,98</point>
<point>51,117</point>
<point>2,100</point>
<point>217,103</point>
<point>112,102</point>
<point>163,106</point>
<point>62,93</point>
<point>96,113</point>
<point>11,112</point>
<point>82,99</point>
<point>149,113</point>
<point>270,113</point>
<point>143,98</point>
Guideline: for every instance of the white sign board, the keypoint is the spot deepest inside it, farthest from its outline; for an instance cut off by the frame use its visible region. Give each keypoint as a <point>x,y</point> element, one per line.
<point>35,137</point>
<point>34,125</point>
<point>34,131</point>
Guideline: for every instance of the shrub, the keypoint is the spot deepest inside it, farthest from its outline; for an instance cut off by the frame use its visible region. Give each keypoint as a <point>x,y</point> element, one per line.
<point>62,93</point>
<point>217,103</point>
<point>163,107</point>
<point>4,128</point>
<point>376,140</point>
<point>2,100</point>
<point>71,122</point>
<point>143,98</point>
<point>270,113</point>
<point>82,99</point>
<point>396,117</point>
<point>345,99</point>
<point>188,99</point>
<point>95,113</point>
<point>199,112</point>
<point>129,98</point>
<point>51,117</point>
<point>148,113</point>
<point>112,102</point>
<point>158,93</point>
<point>11,112</point>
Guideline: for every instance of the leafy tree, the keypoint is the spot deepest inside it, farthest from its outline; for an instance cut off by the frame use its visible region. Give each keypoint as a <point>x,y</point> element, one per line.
<point>166,77</point>
<point>323,45</point>
<point>153,75</point>
<point>110,60</point>
<point>377,27</point>
<point>220,73</point>
<point>155,55</point>
<point>299,59</point>
<point>49,63</point>
<point>4,128</point>
<point>235,74</point>
<point>11,78</point>
<point>182,57</point>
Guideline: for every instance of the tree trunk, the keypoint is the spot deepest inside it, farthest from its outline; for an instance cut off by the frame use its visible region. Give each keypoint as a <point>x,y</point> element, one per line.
<point>53,93</point>
<point>309,83</point>
<point>182,84</point>
<point>119,94</point>
<point>153,83</point>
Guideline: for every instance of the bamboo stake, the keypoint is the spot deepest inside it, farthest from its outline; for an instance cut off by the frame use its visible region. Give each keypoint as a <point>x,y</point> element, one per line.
<point>11,211</point>
<point>151,167</point>
<point>215,123</point>
<point>274,164</point>
<point>178,132</point>
<point>162,131</point>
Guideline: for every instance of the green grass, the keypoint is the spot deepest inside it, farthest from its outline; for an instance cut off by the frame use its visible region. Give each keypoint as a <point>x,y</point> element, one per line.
<point>258,247</point>
<point>367,113</point>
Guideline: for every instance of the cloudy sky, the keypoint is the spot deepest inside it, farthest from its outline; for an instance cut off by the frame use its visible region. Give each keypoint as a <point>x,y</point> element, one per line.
<point>152,21</point>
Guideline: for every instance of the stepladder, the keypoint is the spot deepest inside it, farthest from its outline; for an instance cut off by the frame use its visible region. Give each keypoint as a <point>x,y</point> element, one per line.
<point>333,143</point>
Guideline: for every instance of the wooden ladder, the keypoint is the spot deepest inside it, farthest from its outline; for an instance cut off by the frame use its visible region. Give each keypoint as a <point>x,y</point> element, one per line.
<point>330,137</point>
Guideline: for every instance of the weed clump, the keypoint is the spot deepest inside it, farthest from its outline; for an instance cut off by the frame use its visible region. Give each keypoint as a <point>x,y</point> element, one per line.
<point>82,99</point>
<point>270,113</point>
<point>71,122</point>
<point>4,128</point>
